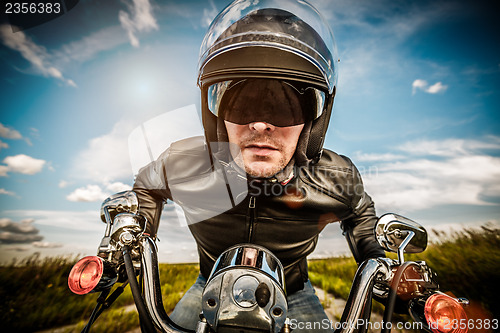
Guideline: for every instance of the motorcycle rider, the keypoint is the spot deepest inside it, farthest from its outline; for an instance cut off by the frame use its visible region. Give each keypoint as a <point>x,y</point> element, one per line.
<point>268,77</point>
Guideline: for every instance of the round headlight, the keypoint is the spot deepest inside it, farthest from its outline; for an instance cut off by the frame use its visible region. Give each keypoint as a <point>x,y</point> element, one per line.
<point>244,291</point>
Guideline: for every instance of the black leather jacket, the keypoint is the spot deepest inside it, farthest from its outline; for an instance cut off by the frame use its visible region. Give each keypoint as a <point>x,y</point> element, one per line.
<point>285,218</point>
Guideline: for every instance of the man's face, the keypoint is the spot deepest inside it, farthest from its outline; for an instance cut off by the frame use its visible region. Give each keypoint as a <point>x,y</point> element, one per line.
<point>266,149</point>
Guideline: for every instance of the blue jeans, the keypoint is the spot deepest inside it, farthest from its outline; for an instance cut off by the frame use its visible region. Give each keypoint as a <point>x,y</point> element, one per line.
<point>304,309</point>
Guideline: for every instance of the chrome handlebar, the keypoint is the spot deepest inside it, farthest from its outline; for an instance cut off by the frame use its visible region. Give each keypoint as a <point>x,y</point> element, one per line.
<point>395,233</point>
<point>368,273</point>
<point>371,271</point>
<point>152,289</point>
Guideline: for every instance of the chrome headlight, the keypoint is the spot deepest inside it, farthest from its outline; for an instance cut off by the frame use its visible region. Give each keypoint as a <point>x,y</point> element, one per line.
<point>246,289</point>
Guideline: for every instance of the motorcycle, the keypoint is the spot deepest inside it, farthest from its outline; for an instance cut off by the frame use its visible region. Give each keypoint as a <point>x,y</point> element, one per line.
<point>245,291</point>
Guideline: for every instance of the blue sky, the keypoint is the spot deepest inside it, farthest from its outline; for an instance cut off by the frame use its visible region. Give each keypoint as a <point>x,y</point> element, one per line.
<point>417,110</point>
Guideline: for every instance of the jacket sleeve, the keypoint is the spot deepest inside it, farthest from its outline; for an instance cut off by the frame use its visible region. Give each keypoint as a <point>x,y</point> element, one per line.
<point>359,228</point>
<point>152,192</point>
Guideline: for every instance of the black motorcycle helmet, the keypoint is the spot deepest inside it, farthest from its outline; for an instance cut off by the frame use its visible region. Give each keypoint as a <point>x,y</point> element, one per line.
<point>285,41</point>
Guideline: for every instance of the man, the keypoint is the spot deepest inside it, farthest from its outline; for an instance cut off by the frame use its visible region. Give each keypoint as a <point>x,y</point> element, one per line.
<point>268,80</point>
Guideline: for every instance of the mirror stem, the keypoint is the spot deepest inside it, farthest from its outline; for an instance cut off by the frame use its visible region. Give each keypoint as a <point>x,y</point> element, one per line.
<point>403,245</point>
<point>109,222</point>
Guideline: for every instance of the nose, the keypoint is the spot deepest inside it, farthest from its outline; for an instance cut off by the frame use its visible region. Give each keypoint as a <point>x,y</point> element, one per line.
<point>261,126</point>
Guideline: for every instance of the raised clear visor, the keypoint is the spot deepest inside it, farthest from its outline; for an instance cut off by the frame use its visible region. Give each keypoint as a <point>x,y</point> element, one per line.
<point>220,38</point>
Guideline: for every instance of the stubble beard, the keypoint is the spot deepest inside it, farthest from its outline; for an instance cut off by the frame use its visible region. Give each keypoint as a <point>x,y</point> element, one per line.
<point>268,170</point>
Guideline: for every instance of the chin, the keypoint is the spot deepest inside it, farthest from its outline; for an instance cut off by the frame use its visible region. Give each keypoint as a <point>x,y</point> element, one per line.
<point>262,169</point>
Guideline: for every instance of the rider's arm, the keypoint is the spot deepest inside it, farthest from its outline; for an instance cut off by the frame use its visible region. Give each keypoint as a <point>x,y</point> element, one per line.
<point>359,228</point>
<point>359,232</point>
<point>152,192</point>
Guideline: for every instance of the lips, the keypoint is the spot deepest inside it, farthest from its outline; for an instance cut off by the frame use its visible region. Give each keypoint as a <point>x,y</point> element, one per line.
<point>261,146</point>
<point>261,149</point>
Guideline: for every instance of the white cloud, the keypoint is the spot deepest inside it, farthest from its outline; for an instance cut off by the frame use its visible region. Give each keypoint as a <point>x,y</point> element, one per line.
<point>5,192</point>
<point>47,245</point>
<point>9,133</point>
<point>422,85</point>
<point>106,158</point>
<point>3,145</point>
<point>16,248</point>
<point>22,232</point>
<point>438,87</point>
<point>22,164</point>
<point>23,226</point>
<point>89,230</point>
<point>450,147</point>
<point>84,221</point>
<point>7,237</point>
<point>142,20</point>
<point>439,232</point>
<point>383,19</point>
<point>345,13</point>
<point>12,134</point>
<point>87,47</point>
<point>3,171</point>
<point>380,28</point>
<point>437,173</point>
<point>209,14</point>
<point>364,157</point>
<point>89,193</point>
<point>419,84</point>
<point>63,184</point>
<point>35,54</point>
<point>94,193</point>
<point>35,132</point>
<point>118,187</point>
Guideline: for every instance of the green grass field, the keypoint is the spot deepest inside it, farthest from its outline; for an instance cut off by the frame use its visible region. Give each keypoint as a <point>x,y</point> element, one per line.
<point>35,295</point>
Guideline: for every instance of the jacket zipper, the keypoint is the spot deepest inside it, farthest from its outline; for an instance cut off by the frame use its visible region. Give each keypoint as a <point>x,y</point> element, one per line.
<point>251,215</point>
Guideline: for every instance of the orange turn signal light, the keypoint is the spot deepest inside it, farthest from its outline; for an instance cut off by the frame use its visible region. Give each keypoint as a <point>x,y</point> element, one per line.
<point>444,314</point>
<point>90,274</point>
